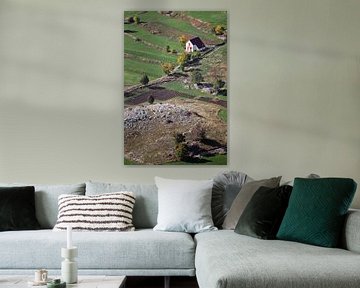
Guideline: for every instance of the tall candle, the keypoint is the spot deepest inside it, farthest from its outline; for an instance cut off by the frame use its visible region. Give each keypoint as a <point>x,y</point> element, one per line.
<point>69,237</point>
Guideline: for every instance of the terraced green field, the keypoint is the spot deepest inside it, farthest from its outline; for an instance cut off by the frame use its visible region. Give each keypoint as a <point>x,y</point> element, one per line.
<point>147,41</point>
<point>135,68</point>
<point>177,25</point>
<point>147,53</point>
<point>160,41</point>
<point>210,16</point>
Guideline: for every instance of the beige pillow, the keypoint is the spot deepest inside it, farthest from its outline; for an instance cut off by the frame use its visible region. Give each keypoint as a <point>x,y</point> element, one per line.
<point>243,198</point>
<point>104,212</point>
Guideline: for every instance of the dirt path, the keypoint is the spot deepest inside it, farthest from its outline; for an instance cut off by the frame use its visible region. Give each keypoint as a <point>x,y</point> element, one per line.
<point>162,94</point>
<point>161,80</point>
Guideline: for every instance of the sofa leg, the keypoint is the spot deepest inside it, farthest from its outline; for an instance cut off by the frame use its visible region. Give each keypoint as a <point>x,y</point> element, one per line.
<point>167,282</point>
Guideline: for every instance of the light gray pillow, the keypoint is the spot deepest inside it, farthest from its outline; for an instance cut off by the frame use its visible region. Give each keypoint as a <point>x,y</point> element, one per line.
<point>46,200</point>
<point>243,198</point>
<point>226,187</point>
<point>184,205</point>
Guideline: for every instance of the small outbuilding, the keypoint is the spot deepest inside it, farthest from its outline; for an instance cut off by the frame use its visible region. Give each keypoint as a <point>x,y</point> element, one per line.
<point>194,44</point>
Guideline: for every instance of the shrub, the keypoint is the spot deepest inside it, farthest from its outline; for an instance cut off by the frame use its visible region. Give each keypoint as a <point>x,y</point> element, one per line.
<point>196,77</point>
<point>137,19</point>
<point>179,138</point>
<point>167,67</point>
<point>151,99</point>
<point>181,149</point>
<point>182,59</point>
<point>219,30</point>
<point>144,80</point>
<point>218,84</point>
<point>183,39</point>
<point>195,55</point>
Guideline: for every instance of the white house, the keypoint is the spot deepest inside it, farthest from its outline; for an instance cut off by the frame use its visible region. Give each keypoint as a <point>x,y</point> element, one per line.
<point>194,44</point>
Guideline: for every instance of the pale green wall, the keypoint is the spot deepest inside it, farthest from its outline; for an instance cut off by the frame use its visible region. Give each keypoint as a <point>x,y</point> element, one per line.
<point>294,89</point>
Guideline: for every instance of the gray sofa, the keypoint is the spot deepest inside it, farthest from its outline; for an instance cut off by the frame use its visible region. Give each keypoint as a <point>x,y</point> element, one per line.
<point>226,259</point>
<point>218,259</point>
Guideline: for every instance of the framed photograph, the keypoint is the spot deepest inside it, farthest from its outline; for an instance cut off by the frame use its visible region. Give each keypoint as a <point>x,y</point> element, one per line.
<point>175,87</point>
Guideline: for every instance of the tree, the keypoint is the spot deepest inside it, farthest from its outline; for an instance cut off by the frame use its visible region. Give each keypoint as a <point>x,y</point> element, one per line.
<point>181,149</point>
<point>195,55</point>
<point>218,84</point>
<point>167,67</point>
<point>182,59</point>
<point>144,80</point>
<point>219,29</point>
<point>136,19</point>
<point>196,77</point>
<point>179,138</point>
<point>183,39</point>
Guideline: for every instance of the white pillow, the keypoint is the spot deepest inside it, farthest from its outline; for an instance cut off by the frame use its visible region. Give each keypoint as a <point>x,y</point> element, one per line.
<point>104,212</point>
<point>184,205</point>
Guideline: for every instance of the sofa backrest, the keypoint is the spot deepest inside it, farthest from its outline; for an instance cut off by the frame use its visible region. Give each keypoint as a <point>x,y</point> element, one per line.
<point>146,203</point>
<point>351,236</point>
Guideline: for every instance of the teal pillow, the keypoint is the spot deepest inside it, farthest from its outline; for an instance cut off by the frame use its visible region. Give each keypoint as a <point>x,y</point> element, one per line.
<point>316,211</point>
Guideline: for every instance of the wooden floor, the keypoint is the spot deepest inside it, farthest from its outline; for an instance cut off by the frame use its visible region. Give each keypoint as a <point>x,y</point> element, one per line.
<point>158,282</point>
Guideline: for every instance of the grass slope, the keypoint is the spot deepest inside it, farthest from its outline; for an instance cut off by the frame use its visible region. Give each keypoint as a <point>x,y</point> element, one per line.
<point>213,160</point>
<point>135,69</point>
<point>179,25</point>
<point>159,40</point>
<point>142,56</point>
<point>220,17</point>
<point>141,50</point>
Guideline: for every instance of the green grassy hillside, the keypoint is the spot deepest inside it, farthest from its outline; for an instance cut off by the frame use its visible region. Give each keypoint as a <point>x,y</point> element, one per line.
<point>218,18</point>
<point>146,43</point>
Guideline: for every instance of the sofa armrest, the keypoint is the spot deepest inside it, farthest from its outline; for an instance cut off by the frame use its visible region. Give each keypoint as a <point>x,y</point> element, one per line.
<point>351,234</point>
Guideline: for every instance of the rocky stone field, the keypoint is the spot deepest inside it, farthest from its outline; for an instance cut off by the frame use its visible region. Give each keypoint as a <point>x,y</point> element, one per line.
<point>150,130</point>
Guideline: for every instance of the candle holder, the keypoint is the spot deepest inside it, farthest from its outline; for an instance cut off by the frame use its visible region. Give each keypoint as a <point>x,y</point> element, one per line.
<point>69,271</point>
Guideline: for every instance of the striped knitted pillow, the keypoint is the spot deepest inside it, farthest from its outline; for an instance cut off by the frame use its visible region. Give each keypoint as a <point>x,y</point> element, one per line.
<point>105,212</point>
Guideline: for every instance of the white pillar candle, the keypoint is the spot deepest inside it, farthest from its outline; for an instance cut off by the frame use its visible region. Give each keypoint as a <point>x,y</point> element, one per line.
<point>69,237</point>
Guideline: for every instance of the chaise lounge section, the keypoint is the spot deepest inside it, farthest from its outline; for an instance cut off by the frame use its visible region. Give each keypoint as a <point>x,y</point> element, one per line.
<point>225,259</point>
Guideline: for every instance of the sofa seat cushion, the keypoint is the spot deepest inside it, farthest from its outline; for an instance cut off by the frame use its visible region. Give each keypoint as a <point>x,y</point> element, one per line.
<point>142,249</point>
<point>225,259</point>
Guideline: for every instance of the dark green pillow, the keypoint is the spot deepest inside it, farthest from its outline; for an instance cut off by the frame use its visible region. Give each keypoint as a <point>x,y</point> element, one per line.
<point>316,211</point>
<point>17,208</point>
<point>264,212</point>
